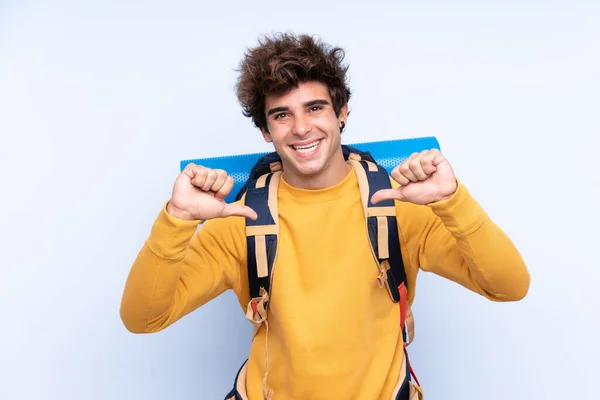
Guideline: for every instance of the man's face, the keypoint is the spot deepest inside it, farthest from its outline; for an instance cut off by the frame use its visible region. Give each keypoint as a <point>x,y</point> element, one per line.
<point>305,131</point>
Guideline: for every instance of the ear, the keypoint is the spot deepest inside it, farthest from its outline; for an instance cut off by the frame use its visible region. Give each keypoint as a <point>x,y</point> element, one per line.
<point>343,115</point>
<point>266,135</point>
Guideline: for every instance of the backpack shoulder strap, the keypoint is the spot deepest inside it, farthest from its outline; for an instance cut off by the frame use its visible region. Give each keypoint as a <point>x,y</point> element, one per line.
<point>382,225</point>
<point>261,240</point>
<point>382,229</point>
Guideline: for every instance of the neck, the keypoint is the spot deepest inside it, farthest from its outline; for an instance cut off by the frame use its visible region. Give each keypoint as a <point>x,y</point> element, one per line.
<point>332,174</point>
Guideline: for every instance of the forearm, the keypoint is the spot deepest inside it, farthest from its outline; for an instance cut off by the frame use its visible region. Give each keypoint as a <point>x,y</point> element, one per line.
<point>180,269</point>
<point>486,261</point>
<point>149,298</point>
<point>463,244</point>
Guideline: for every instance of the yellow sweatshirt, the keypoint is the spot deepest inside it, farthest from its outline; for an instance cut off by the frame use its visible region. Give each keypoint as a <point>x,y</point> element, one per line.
<point>333,332</point>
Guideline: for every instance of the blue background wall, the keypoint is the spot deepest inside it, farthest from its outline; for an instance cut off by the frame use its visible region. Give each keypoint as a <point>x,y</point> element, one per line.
<point>99,101</point>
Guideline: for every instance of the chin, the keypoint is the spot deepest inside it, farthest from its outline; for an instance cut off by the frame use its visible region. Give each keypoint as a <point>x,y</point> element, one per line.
<point>309,170</point>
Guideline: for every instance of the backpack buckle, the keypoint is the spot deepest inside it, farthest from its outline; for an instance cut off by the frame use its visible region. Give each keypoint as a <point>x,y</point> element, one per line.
<point>383,269</point>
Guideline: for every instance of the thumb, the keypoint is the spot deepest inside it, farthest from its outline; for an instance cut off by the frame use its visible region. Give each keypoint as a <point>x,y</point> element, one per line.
<point>239,210</point>
<point>387,194</point>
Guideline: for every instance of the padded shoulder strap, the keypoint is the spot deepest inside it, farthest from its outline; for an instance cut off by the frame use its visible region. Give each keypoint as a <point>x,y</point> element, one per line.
<point>262,233</point>
<point>382,225</point>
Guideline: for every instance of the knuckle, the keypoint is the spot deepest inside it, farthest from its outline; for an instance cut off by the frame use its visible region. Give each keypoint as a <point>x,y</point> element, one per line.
<point>200,171</point>
<point>222,175</point>
<point>398,177</point>
<point>210,179</point>
<point>227,183</point>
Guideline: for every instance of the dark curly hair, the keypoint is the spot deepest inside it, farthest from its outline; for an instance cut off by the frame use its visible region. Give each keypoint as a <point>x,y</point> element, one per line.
<point>279,63</point>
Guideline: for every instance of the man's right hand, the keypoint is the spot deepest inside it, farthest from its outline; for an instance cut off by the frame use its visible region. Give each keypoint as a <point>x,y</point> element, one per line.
<point>199,193</point>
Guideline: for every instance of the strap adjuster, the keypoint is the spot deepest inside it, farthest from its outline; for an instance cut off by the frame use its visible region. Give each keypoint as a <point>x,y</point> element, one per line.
<point>256,311</point>
<point>383,269</point>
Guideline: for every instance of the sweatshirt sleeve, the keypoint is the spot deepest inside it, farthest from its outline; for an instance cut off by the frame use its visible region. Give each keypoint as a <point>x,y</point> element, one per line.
<point>456,239</point>
<point>181,267</point>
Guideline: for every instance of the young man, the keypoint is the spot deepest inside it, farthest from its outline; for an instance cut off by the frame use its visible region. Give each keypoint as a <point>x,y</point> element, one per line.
<point>331,331</point>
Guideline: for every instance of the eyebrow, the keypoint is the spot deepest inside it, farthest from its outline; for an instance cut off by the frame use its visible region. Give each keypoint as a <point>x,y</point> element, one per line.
<point>307,104</point>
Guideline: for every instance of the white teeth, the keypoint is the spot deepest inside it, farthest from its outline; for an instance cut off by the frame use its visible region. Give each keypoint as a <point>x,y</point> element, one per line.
<point>308,148</point>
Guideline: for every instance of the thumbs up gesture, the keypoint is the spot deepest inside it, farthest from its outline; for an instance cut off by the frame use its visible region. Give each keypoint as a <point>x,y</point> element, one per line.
<point>424,178</point>
<point>199,193</point>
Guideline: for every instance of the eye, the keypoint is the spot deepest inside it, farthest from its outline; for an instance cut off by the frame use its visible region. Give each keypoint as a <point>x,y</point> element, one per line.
<point>316,108</point>
<point>280,115</point>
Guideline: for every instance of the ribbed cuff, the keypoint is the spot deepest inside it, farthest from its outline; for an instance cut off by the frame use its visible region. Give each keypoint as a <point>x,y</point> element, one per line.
<point>461,213</point>
<point>170,236</point>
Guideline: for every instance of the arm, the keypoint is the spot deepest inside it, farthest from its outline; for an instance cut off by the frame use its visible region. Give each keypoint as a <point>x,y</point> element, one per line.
<point>456,239</point>
<point>445,231</point>
<point>178,270</point>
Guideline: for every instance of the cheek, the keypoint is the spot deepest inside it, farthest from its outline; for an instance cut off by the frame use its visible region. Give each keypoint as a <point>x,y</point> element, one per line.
<point>278,135</point>
<point>328,124</point>
<point>278,141</point>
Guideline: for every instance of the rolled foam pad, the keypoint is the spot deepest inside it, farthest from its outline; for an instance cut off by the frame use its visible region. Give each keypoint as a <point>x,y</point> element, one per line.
<point>387,153</point>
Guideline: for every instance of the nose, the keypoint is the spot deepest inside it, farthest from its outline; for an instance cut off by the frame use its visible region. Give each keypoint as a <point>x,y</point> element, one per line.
<point>302,126</point>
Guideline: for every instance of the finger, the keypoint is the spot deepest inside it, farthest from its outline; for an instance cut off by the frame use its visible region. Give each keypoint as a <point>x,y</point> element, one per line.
<point>387,194</point>
<point>405,170</point>
<point>188,170</point>
<point>198,175</point>
<point>427,162</point>
<point>211,177</point>
<point>415,167</point>
<point>225,188</point>
<point>239,210</point>
<point>220,181</point>
<point>438,157</point>
<point>192,169</point>
<point>398,177</point>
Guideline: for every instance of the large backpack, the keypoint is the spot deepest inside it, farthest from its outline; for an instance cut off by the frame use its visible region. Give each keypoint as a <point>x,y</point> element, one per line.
<point>260,190</point>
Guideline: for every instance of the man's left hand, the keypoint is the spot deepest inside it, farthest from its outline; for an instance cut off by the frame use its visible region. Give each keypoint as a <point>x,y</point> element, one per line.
<point>424,178</point>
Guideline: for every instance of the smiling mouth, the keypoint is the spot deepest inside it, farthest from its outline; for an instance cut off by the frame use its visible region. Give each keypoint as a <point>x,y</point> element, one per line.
<point>308,148</point>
